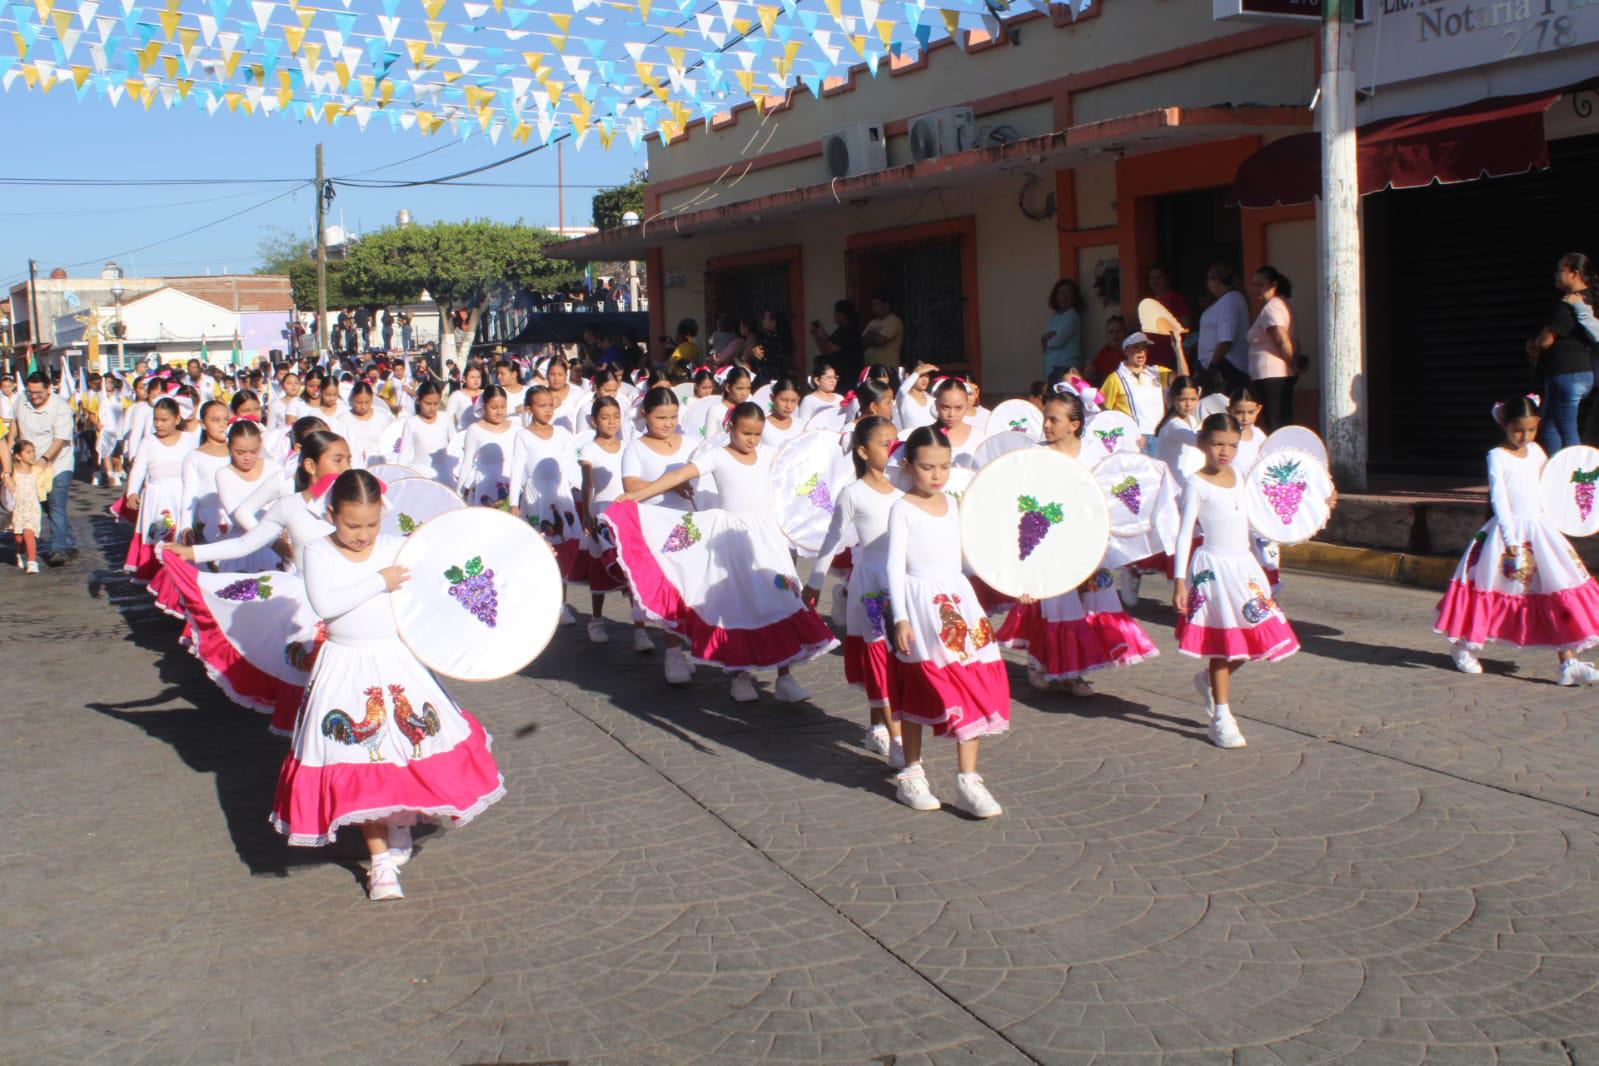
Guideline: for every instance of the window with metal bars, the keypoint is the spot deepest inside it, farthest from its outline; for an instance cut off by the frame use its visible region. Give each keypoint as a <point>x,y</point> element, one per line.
<point>923,278</point>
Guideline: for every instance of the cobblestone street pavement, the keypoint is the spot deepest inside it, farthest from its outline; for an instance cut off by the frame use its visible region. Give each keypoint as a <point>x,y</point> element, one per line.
<point>1400,868</point>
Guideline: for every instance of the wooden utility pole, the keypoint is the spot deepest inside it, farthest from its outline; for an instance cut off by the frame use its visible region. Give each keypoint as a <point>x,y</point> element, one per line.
<point>33,306</point>
<point>560,192</point>
<point>1343,379</point>
<point>321,261</point>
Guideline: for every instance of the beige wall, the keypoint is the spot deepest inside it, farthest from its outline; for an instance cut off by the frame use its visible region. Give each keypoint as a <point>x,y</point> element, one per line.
<point>1291,248</point>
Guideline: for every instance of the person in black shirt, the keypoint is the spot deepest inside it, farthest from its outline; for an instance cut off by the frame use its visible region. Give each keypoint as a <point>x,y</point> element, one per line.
<point>843,348</point>
<point>1563,354</point>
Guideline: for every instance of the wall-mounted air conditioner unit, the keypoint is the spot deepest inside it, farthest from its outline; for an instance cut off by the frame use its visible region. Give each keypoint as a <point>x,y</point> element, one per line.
<point>857,149</point>
<point>941,132</point>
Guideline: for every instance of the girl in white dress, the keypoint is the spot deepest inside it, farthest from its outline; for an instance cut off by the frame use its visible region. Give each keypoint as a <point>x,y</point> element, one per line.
<point>913,407</point>
<point>659,450</point>
<point>863,508</point>
<point>1520,581</point>
<point>291,406</point>
<point>571,401</point>
<point>542,476</point>
<point>723,579</point>
<point>463,408</point>
<point>1086,629</point>
<point>735,383</point>
<point>599,460</point>
<point>486,452</point>
<point>245,473</point>
<point>139,416</point>
<point>946,672</point>
<point>781,420</point>
<point>113,425</point>
<point>1225,612</point>
<point>824,380</point>
<point>1246,408</point>
<point>378,743</point>
<point>154,497</point>
<point>330,405</point>
<point>363,424</point>
<point>425,439</point>
<point>201,518</point>
<point>951,401</point>
<point>256,633</point>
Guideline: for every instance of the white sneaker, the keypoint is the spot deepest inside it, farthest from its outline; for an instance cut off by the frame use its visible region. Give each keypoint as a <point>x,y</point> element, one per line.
<point>877,740</point>
<point>597,633</point>
<point>383,880</point>
<point>642,644</point>
<point>400,846</point>
<point>1202,684</point>
<point>972,796</point>
<point>1224,730</point>
<point>1078,687</point>
<point>1467,663</point>
<point>911,789</point>
<point>1036,678</point>
<point>896,755</point>
<point>839,610</point>
<point>790,691</point>
<point>32,567</point>
<point>22,564</point>
<point>744,690</point>
<point>1127,583</point>
<point>678,671</point>
<point>1577,672</point>
<point>567,617</point>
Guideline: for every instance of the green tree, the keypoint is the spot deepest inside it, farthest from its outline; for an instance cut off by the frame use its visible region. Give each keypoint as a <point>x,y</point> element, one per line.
<point>611,204</point>
<point>279,250</point>
<point>459,264</point>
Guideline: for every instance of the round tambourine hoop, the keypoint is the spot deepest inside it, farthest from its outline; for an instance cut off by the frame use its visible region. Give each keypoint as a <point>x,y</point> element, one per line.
<point>685,393</point>
<point>482,551</point>
<point>1567,487</point>
<point>1110,432</point>
<point>1018,415</point>
<point>1131,482</point>
<point>1287,495</point>
<point>389,441</point>
<point>694,418</point>
<point>410,504</point>
<point>394,473</point>
<point>1179,450</point>
<point>808,475</point>
<point>1001,443</point>
<point>1034,523</point>
<point>763,397</point>
<point>831,419</point>
<point>1299,439</point>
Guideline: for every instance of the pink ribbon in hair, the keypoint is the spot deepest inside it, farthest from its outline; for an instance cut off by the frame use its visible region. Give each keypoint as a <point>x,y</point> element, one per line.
<point>321,485</point>
<point>1499,408</point>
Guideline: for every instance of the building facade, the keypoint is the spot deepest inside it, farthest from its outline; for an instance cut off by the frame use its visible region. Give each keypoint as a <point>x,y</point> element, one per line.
<point>1095,147</point>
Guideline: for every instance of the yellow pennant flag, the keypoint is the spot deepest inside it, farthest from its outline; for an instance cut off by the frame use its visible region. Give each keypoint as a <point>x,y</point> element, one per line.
<point>534,61</point>
<point>474,96</point>
<point>675,31</point>
<point>432,7</point>
<point>305,15</point>
<point>676,55</point>
<point>329,113</point>
<point>171,65</point>
<point>499,5</point>
<point>313,52</point>
<point>22,47</point>
<point>860,44</point>
<point>485,118</point>
<point>742,26</point>
<point>435,29</point>
<point>557,44</point>
<point>835,8</point>
<point>386,91</point>
<point>367,83</point>
<point>746,80</point>
<point>295,36</point>
<point>643,10</point>
<point>231,64</point>
<point>342,72</point>
<point>232,99</point>
<point>149,98</point>
<point>417,50</point>
<point>606,137</point>
<point>562,22</point>
<point>952,23</point>
<point>451,77</point>
<point>885,32</point>
<point>556,89</point>
<point>79,76</point>
<point>148,53</point>
<point>521,133</point>
<point>257,73</point>
<point>768,16</point>
<point>186,39</point>
<point>44,7</point>
<point>646,73</point>
<point>184,85</point>
<point>169,22</point>
<point>284,94</point>
<point>31,75</point>
<point>63,22</point>
<point>579,124</point>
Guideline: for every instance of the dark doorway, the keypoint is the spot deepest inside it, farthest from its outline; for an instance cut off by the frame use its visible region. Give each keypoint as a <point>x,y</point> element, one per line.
<point>1193,230</point>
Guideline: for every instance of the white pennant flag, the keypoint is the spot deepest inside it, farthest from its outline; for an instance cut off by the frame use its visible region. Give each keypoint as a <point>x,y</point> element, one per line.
<point>407,119</point>
<point>263,12</point>
<point>515,35</point>
<point>729,10</point>
<point>227,42</point>
<point>494,132</point>
<point>869,9</point>
<point>97,56</point>
<point>455,48</point>
<point>212,102</point>
<point>363,114</point>
<point>389,26</point>
<point>334,39</point>
<point>113,93</point>
<point>69,41</point>
<point>104,26</point>
<point>475,11</point>
<point>208,29</point>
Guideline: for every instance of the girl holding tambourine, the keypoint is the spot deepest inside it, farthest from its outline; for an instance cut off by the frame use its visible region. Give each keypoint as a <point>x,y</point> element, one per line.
<point>946,672</point>
<point>1520,581</point>
<point>1225,612</point>
<point>1086,629</point>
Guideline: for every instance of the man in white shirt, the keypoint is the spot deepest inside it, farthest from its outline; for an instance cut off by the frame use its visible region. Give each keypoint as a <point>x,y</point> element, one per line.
<point>46,420</point>
<point>1224,328</point>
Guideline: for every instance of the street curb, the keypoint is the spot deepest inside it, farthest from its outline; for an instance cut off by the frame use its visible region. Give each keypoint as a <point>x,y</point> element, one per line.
<point>1370,564</point>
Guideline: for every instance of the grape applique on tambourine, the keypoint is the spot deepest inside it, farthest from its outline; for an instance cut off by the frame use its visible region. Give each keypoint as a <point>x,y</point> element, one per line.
<point>1582,482</point>
<point>473,588</point>
<point>1284,487</point>
<point>1035,523</point>
<point>815,489</point>
<point>407,523</point>
<point>1129,492</point>
<point>247,589</point>
<point>1109,438</point>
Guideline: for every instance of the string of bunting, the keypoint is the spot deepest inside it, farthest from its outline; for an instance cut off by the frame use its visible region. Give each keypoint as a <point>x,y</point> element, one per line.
<point>496,68</point>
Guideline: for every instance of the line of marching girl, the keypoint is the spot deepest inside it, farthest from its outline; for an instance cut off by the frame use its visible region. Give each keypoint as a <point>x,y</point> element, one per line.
<point>280,574</point>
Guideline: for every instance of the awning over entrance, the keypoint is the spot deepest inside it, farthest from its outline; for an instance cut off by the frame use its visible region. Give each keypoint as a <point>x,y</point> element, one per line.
<point>1486,139</point>
<point>1145,131</point>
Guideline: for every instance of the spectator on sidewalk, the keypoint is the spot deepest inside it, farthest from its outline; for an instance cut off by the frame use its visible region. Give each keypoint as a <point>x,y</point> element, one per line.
<point>1062,340</point>
<point>1224,329</point>
<point>1162,354</point>
<point>842,348</point>
<point>1272,358</point>
<point>1109,357</point>
<point>884,338</point>
<point>1562,354</point>
<point>46,421</point>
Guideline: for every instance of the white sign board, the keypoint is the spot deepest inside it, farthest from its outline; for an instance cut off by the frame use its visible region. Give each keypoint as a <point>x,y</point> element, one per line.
<point>1409,39</point>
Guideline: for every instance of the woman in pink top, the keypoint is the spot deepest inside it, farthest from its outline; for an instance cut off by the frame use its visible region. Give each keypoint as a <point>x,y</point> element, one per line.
<point>1271,348</point>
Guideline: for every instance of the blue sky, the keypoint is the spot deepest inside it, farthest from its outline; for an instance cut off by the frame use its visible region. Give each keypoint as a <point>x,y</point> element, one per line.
<point>54,135</point>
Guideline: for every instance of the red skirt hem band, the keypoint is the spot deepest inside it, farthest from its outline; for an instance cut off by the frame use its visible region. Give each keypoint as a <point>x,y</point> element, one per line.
<point>866,667</point>
<point>965,701</point>
<point>1270,641</point>
<point>1567,620</point>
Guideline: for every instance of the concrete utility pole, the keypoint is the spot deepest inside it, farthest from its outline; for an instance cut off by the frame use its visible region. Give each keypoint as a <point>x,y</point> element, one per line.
<point>321,262</point>
<point>1343,379</point>
<point>33,306</point>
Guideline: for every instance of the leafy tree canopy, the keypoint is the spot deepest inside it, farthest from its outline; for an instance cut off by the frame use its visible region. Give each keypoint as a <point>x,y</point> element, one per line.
<point>457,263</point>
<point>611,204</point>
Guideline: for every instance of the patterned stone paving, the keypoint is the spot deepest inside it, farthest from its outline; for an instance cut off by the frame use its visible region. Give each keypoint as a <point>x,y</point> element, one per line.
<point>1400,868</point>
